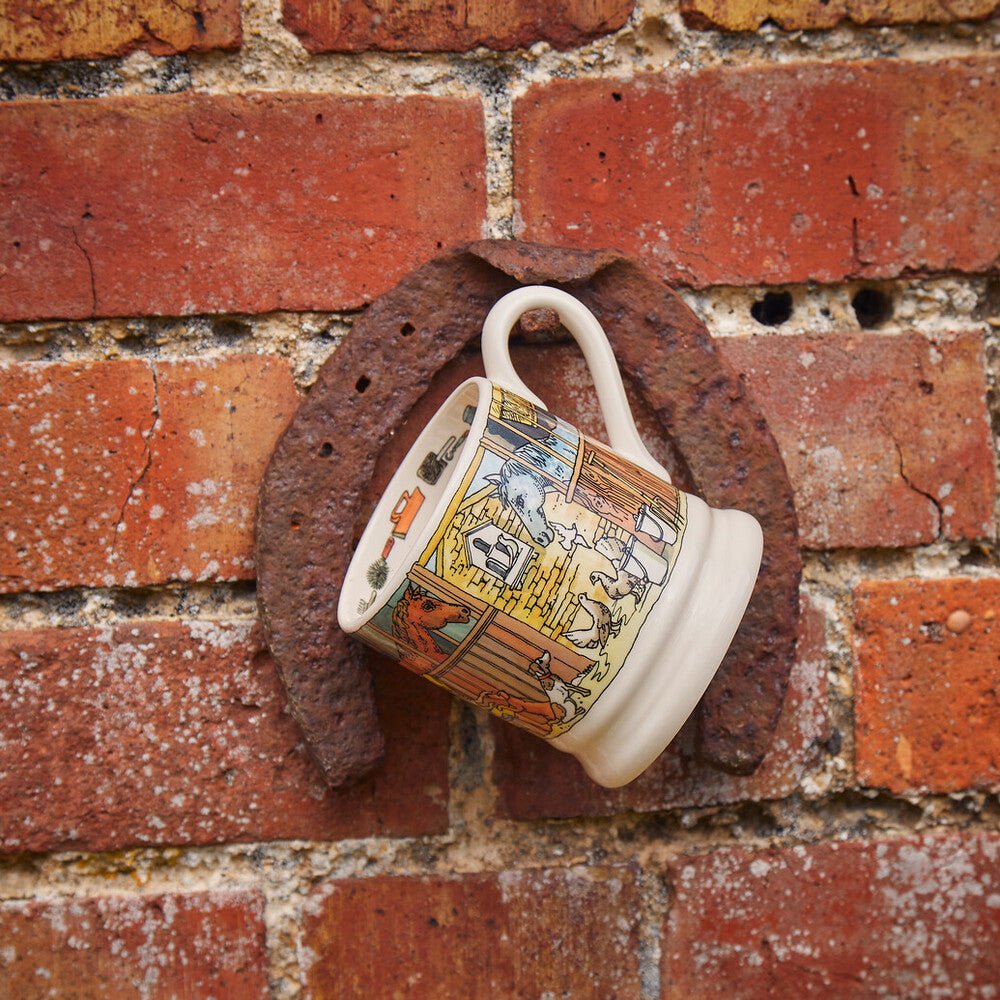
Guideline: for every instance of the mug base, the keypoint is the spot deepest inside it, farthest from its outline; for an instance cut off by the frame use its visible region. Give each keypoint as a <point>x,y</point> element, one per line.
<point>646,705</point>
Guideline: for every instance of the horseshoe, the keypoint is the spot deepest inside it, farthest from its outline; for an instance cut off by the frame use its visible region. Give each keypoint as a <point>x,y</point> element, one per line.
<point>323,480</point>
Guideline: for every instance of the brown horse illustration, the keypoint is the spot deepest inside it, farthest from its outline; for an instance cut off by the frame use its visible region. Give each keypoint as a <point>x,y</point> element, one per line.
<point>414,617</point>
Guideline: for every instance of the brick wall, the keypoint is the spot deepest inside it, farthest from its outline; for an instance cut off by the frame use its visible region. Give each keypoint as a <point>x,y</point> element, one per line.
<point>198,199</point>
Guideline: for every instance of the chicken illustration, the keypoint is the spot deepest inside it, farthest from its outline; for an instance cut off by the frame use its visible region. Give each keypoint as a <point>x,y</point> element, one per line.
<point>623,583</point>
<point>602,625</point>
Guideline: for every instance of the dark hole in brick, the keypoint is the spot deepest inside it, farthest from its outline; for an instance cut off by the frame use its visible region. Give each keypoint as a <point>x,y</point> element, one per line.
<point>326,450</point>
<point>616,97</point>
<point>979,556</point>
<point>772,310</point>
<point>319,118</point>
<point>433,922</point>
<point>601,155</point>
<point>932,630</point>
<point>407,330</point>
<point>362,383</point>
<point>926,387</point>
<point>199,22</point>
<point>872,308</point>
<point>853,186</point>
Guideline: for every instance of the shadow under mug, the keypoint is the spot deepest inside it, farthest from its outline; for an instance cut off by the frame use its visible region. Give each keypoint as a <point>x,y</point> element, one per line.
<point>563,585</point>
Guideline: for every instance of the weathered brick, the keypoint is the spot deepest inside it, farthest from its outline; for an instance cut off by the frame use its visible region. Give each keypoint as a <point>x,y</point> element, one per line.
<point>39,30</point>
<point>886,438</point>
<point>96,948</point>
<point>748,15</point>
<point>176,733</point>
<point>556,932</point>
<point>535,781</point>
<point>917,917</point>
<point>135,472</point>
<point>926,711</point>
<point>441,25</point>
<point>776,173</point>
<point>194,203</point>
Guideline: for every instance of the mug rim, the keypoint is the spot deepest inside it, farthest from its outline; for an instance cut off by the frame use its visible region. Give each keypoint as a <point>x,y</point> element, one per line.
<point>348,618</point>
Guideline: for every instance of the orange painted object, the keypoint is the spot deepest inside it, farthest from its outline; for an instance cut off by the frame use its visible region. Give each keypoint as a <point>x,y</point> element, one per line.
<point>404,512</point>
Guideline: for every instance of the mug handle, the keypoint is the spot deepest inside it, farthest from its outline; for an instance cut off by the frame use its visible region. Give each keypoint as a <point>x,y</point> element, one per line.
<point>582,324</point>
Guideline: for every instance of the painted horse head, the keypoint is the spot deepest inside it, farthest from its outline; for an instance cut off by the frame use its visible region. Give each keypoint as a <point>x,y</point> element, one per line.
<point>414,617</point>
<point>522,490</point>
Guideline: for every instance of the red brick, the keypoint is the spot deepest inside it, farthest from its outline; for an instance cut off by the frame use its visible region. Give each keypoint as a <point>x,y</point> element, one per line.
<point>748,174</point>
<point>556,932</point>
<point>177,733</point>
<point>39,30</point>
<point>443,26</point>
<point>886,438</point>
<point>135,472</point>
<point>748,15</point>
<point>908,918</point>
<point>158,947</point>
<point>927,716</point>
<point>535,781</point>
<point>194,203</point>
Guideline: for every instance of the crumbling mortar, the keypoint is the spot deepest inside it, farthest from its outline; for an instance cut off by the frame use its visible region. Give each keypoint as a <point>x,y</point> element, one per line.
<point>991,347</point>
<point>655,897</point>
<point>305,339</point>
<point>84,607</point>
<point>653,40</point>
<point>650,841</point>
<point>939,307</point>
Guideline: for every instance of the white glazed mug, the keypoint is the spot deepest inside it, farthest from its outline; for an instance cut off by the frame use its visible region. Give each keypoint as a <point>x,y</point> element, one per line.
<point>565,586</point>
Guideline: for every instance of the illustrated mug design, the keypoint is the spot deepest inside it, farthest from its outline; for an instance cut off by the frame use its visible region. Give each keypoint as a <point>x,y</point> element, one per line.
<point>563,585</point>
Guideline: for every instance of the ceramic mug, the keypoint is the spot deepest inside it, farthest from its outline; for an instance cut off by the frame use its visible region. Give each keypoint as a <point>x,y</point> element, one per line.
<point>563,585</point>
